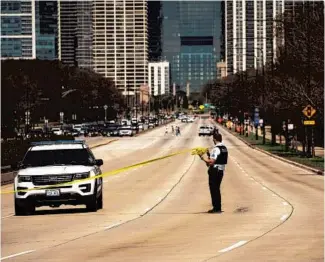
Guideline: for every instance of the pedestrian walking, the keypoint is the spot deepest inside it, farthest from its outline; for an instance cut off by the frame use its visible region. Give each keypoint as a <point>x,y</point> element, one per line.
<point>173,130</point>
<point>178,131</point>
<point>216,161</point>
<point>166,130</point>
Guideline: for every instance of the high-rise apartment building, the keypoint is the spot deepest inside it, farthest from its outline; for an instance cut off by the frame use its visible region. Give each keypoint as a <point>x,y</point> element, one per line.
<point>84,51</point>
<point>67,23</point>
<point>159,78</point>
<point>75,32</point>
<point>250,38</point>
<point>120,42</point>
<point>191,41</point>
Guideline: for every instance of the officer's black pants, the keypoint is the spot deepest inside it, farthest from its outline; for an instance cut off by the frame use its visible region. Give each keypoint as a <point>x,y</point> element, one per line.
<point>215,178</point>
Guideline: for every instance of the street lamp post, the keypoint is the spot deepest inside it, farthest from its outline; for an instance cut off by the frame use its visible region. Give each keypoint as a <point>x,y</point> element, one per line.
<point>27,120</point>
<point>61,118</point>
<point>105,108</point>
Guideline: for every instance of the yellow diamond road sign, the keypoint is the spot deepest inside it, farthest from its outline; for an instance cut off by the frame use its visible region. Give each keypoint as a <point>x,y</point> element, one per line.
<point>201,107</point>
<point>309,111</point>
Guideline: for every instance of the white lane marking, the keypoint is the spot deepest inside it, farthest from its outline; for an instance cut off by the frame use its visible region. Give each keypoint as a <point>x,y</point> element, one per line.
<point>147,209</point>
<point>285,203</point>
<point>284,217</point>
<point>109,227</point>
<point>7,216</point>
<point>238,244</point>
<point>18,254</point>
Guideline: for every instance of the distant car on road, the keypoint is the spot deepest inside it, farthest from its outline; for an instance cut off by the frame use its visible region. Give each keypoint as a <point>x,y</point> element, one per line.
<point>204,131</point>
<point>51,163</point>
<point>126,131</point>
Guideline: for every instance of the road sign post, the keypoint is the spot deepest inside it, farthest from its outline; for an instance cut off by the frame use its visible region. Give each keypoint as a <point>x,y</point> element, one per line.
<point>256,121</point>
<point>309,124</point>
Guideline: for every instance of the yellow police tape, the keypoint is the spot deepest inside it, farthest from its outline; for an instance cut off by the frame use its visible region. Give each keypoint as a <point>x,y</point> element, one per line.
<point>195,151</point>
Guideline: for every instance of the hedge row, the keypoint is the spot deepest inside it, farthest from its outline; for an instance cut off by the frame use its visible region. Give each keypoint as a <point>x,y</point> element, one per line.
<point>13,151</point>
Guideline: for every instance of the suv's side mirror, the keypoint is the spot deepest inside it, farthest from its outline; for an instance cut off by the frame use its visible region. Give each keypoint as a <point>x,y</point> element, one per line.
<point>99,162</point>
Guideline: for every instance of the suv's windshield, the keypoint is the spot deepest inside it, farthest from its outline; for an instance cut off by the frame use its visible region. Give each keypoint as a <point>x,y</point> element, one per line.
<point>58,157</point>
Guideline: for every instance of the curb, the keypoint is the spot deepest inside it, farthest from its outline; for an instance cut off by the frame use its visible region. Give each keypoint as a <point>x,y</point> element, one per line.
<point>103,144</point>
<point>7,178</point>
<point>316,171</point>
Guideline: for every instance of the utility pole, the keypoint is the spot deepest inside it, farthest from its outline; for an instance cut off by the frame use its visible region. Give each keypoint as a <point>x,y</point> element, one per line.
<point>136,103</point>
<point>263,99</point>
<point>256,124</point>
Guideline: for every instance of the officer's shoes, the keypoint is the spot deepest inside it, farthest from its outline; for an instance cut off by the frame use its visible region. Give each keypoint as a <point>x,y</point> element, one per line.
<point>215,211</point>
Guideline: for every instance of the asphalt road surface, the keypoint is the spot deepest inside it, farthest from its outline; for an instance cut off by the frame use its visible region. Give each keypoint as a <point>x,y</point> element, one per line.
<point>272,211</point>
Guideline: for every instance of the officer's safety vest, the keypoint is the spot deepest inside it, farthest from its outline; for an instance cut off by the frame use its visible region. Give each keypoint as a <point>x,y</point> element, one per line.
<point>223,157</point>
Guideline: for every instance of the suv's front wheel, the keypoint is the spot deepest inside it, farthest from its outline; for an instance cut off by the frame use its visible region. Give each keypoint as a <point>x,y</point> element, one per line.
<point>23,208</point>
<point>95,202</point>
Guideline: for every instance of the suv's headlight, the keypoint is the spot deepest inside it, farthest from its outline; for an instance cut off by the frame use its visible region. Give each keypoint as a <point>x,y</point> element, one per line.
<point>24,179</point>
<point>81,176</point>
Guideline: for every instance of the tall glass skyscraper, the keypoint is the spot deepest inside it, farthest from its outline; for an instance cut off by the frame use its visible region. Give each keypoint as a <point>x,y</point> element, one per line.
<point>18,34</point>
<point>191,41</point>
<point>46,30</point>
<point>29,29</point>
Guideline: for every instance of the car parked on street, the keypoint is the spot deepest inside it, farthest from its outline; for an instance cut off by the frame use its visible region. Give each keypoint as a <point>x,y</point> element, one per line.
<point>112,130</point>
<point>57,131</point>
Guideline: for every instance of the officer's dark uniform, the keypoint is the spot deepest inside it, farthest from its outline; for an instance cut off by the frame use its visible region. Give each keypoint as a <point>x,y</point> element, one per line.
<point>220,153</point>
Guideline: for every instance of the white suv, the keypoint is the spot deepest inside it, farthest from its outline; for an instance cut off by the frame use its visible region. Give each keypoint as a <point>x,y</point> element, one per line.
<point>51,163</point>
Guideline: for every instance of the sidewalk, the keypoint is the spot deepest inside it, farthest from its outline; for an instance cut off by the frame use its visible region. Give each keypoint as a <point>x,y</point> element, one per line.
<point>319,151</point>
<point>315,164</point>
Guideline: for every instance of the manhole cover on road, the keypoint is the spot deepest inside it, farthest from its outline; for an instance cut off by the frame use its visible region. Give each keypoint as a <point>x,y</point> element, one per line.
<point>241,210</point>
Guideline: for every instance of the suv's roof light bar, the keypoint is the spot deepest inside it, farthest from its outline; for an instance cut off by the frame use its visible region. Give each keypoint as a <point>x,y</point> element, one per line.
<point>40,143</point>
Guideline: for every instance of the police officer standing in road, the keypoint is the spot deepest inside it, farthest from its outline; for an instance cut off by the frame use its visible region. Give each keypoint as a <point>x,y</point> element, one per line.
<point>216,162</point>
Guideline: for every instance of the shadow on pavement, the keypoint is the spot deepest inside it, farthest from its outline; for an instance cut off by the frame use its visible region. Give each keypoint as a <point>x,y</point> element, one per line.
<point>60,211</point>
